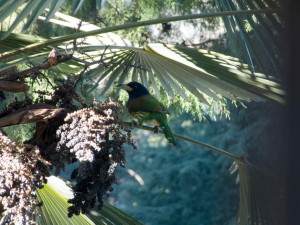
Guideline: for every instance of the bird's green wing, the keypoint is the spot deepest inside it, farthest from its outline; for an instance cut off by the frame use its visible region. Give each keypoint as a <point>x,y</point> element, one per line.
<point>152,105</point>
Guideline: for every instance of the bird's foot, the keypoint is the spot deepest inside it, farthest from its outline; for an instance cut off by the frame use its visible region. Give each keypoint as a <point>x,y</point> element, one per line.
<point>156,128</point>
<point>133,123</point>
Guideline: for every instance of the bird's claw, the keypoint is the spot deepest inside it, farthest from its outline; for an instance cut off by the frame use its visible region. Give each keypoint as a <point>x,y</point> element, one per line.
<point>133,123</point>
<point>156,128</point>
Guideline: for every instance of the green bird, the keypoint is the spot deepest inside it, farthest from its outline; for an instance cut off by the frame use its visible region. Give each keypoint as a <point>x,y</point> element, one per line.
<point>146,108</point>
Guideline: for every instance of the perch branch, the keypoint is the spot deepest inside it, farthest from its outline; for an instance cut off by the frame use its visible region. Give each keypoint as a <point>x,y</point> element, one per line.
<point>207,146</point>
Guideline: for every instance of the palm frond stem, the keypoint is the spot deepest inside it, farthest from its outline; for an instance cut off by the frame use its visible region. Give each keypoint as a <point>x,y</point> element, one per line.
<point>238,159</point>
<point>55,41</point>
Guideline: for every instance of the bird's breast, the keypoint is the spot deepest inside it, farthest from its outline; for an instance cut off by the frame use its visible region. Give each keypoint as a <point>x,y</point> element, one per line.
<point>153,122</point>
<point>140,115</point>
<point>145,117</point>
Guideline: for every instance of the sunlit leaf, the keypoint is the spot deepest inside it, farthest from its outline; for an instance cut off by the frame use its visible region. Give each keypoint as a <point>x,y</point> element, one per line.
<point>202,72</point>
<point>36,12</point>
<point>33,4</point>
<point>8,7</point>
<point>55,5</point>
<point>54,196</point>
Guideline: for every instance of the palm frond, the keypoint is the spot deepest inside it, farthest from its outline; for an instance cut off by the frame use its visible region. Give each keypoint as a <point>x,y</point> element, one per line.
<point>32,10</point>
<point>38,55</point>
<point>220,74</point>
<point>234,16</point>
<point>8,7</point>
<point>205,74</point>
<point>55,5</point>
<point>76,5</point>
<point>58,40</point>
<point>54,196</point>
<point>257,190</point>
<point>254,38</point>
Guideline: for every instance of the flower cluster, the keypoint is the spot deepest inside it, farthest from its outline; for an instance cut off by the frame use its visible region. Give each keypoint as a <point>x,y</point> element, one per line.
<point>96,139</point>
<point>22,170</point>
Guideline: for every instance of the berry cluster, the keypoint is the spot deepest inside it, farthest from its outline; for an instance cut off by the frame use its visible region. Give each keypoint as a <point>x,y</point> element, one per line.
<point>22,170</point>
<point>96,139</point>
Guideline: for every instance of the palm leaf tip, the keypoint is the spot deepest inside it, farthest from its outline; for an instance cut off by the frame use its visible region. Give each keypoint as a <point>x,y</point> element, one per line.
<point>212,73</point>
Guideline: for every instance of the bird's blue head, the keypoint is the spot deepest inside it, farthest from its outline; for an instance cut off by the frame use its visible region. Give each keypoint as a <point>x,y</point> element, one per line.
<point>134,89</point>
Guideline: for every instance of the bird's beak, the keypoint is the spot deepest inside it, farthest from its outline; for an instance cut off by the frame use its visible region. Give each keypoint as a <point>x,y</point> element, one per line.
<point>125,87</point>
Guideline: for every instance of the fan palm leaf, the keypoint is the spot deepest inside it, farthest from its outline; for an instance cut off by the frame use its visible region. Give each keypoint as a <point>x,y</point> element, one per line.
<point>256,190</point>
<point>203,73</point>
<point>31,11</point>
<point>54,196</point>
<point>254,38</point>
<point>57,40</point>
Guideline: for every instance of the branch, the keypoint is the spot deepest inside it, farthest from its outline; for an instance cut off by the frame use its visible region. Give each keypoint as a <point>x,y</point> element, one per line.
<point>236,158</point>
<point>25,73</point>
<point>31,114</point>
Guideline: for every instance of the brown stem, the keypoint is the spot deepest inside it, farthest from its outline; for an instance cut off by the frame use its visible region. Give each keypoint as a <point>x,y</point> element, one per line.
<point>27,72</point>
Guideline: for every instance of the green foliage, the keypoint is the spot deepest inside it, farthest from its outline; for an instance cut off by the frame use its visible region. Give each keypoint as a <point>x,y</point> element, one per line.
<point>40,91</point>
<point>217,109</point>
<point>118,12</point>
<point>21,133</point>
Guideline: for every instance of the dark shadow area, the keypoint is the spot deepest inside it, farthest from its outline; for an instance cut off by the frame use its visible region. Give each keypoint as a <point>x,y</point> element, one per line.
<point>292,136</point>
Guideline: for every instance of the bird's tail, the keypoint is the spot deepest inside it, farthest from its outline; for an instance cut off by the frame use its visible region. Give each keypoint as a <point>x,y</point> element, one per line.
<point>168,133</point>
